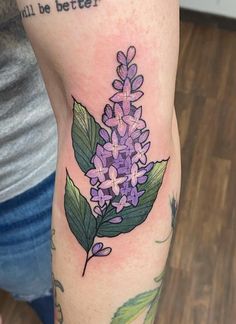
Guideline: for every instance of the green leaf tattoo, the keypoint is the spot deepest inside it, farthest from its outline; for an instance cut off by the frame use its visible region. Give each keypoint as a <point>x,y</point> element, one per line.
<point>79,215</point>
<point>136,306</point>
<point>85,136</point>
<point>147,301</point>
<point>124,185</point>
<point>132,217</point>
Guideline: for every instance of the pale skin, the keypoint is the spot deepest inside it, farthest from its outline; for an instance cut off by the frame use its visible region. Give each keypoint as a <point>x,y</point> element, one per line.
<point>76,50</point>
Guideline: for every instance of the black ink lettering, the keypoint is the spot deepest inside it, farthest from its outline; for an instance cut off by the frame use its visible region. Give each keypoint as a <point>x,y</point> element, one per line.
<point>32,11</point>
<point>44,9</point>
<point>80,3</point>
<point>58,6</point>
<point>88,3</point>
<point>47,9</point>
<point>95,3</point>
<point>73,4</point>
<point>66,6</point>
<point>27,11</point>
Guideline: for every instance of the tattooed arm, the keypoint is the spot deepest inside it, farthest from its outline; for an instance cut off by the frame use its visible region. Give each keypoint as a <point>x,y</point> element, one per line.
<point>110,68</point>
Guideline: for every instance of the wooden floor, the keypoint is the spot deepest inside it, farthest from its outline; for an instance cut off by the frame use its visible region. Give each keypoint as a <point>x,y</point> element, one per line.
<point>13,312</point>
<point>200,285</point>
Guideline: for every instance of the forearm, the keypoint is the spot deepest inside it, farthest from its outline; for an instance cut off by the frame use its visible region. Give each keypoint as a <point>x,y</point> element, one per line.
<point>136,175</point>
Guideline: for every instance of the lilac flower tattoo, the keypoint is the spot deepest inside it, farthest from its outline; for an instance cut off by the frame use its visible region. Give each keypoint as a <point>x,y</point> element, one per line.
<point>124,186</point>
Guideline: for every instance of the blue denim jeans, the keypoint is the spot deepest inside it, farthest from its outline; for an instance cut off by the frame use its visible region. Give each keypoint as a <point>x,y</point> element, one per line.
<point>25,257</point>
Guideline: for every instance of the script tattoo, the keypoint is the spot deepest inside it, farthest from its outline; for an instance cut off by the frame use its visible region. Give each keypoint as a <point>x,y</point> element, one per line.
<point>124,185</point>
<point>59,6</point>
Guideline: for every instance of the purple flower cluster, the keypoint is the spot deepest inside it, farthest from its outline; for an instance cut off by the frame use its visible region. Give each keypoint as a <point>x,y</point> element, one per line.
<point>120,165</point>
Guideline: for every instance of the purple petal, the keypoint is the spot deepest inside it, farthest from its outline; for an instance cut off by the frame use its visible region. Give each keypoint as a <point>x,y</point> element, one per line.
<point>138,113</point>
<point>141,124</point>
<point>112,122</point>
<point>97,247</point>
<point>135,201</point>
<point>127,86</point>
<point>123,200</point>
<point>132,71</point>
<point>131,54</point>
<point>117,84</point>
<point>121,58</point>
<point>93,192</point>
<point>136,134</point>
<point>108,147</point>
<point>122,128</point>
<point>112,172</point>
<point>149,167</point>
<point>98,162</point>
<point>107,197</point>
<point>143,137</point>
<point>143,159</point>
<point>106,184</point>
<point>118,110</point>
<point>135,158</point>
<point>122,71</point>
<point>136,95</point>
<point>146,147</point>
<point>116,220</point>
<point>104,134</point>
<point>118,97</point>
<point>137,83</point>
<point>108,111</point>
<point>138,147</point>
<point>126,107</point>
<point>134,182</point>
<point>104,118</point>
<point>92,173</point>
<point>123,139</point>
<point>104,252</point>
<point>98,210</point>
<point>93,181</point>
<point>142,179</point>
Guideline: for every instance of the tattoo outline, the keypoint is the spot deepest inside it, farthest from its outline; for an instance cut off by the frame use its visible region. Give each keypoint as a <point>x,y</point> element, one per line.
<point>136,306</point>
<point>124,185</point>
<point>56,285</point>
<point>174,209</point>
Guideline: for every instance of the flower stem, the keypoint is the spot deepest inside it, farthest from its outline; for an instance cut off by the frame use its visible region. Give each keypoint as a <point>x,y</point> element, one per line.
<point>86,263</point>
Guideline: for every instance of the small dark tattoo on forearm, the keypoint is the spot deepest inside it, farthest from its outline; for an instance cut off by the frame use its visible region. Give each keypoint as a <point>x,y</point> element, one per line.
<point>59,6</point>
<point>57,286</point>
<point>58,310</point>
<point>174,209</point>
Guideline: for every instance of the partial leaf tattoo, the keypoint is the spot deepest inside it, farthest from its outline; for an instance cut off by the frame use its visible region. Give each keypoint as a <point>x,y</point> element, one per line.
<point>58,310</point>
<point>174,209</point>
<point>147,301</point>
<point>135,307</point>
<point>124,185</point>
<point>56,286</point>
